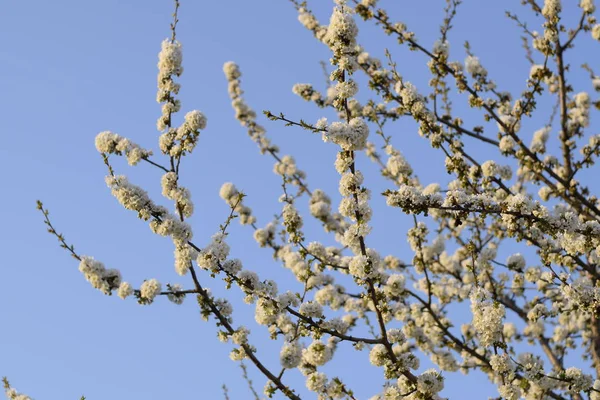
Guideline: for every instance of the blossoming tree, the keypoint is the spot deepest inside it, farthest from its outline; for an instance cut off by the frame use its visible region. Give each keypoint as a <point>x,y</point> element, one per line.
<point>348,296</point>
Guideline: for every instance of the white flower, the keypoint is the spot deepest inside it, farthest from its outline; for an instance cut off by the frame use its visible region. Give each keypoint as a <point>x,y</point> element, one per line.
<point>378,355</point>
<point>489,168</point>
<point>231,70</point>
<point>440,47</point>
<point>595,394</point>
<point>231,266</point>
<point>249,280</point>
<point>125,290</point>
<point>395,285</point>
<point>579,381</point>
<point>105,280</point>
<point>474,67</point>
<point>540,137</point>
<point>316,382</point>
<point>317,354</point>
<point>516,262</point>
<point>311,309</point>
<point>352,136</point>
<point>507,144</point>
<point>111,143</point>
<point>240,336</point>
<point>321,123</point>
<point>195,120</point>
<point>228,191</point>
<point>342,29</point>
<point>170,57</point>
<point>287,166</point>
<point>361,267</point>
<point>502,364</point>
<point>395,336</point>
<point>430,382</point>
<point>587,6</point>
<point>551,8</point>
<point>214,254</point>
<point>509,392</point>
<point>12,394</point>
<point>487,317</point>
<point>538,311</point>
<point>175,297</point>
<point>150,289</point>
<point>291,355</point>
<point>346,89</point>
<point>596,32</point>
<point>169,65</point>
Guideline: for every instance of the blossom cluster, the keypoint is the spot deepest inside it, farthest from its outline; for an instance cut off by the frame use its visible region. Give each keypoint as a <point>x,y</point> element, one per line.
<point>233,198</point>
<point>111,143</point>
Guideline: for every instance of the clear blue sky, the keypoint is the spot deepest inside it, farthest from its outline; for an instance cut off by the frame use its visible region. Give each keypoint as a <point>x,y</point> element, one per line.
<point>71,69</point>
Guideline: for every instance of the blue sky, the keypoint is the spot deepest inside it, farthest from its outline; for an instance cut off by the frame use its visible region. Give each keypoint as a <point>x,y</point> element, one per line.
<point>72,69</point>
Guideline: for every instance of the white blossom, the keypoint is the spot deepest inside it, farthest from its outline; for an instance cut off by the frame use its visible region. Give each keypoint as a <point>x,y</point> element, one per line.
<point>430,382</point>
<point>487,317</point>
<point>105,280</point>
<point>317,353</point>
<point>311,309</point>
<point>551,8</point>
<point>150,289</point>
<point>474,67</point>
<point>125,290</point>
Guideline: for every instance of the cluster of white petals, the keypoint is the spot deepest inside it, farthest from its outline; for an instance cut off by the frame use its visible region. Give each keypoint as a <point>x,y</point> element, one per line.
<point>111,143</point>
<point>105,280</point>
<point>234,199</point>
<point>349,136</point>
<point>12,394</point>
<point>182,196</point>
<point>150,289</point>
<point>488,317</point>
<point>214,255</point>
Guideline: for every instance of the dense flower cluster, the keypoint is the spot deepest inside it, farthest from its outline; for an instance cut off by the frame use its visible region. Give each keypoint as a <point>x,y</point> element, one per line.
<point>12,394</point>
<point>214,255</point>
<point>175,141</point>
<point>487,318</point>
<point>233,197</point>
<point>169,65</point>
<point>149,290</point>
<point>180,195</point>
<point>105,280</point>
<point>111,143</point>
